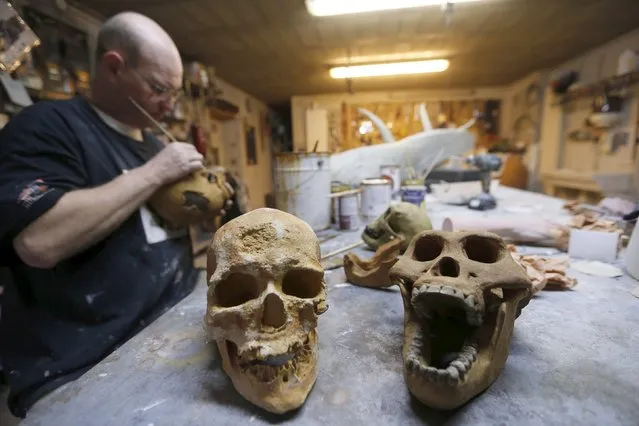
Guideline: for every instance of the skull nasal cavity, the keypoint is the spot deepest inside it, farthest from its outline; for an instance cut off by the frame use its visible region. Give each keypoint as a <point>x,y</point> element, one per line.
<point>447,267</point>
<point>274,313</point>
<point>427,248</point>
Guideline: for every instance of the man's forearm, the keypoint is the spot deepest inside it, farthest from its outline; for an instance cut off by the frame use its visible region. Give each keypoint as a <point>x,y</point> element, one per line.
<point>84,217</point>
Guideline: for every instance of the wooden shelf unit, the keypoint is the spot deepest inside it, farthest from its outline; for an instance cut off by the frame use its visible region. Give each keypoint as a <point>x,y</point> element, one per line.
<point>615,83</point>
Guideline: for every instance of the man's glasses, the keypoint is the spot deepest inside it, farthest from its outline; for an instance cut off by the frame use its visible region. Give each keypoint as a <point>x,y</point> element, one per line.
<point>159,90</point>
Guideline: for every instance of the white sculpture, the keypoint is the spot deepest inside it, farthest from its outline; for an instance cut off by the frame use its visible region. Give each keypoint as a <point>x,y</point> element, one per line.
<point>415,152</point>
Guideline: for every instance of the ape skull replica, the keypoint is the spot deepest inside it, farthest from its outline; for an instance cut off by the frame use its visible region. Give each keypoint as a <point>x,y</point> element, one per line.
<point>462,292</point>
<point>266,291</point>
<point>401,220</point>
<point>196,198</point>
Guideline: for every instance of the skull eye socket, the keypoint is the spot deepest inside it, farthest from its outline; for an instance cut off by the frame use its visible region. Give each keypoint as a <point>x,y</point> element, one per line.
<point>393,221</point>
<point>237,289</point>
<point>428,248</point>
<point>303,283</point>
<point>481,249</point>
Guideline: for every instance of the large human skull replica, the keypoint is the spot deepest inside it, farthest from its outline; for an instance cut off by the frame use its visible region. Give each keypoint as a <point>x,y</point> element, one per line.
<point>196,198</point>
<point>401,220</point>
<point>266,291</point>
<point>462,292</point>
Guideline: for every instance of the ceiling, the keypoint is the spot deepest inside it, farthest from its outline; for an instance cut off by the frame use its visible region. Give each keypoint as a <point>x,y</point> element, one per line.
<point>273,49</point>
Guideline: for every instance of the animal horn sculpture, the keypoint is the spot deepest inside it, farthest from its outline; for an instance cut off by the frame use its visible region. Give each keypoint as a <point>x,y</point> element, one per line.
<point>423,116</point>
<point>468,124</point>
<point>416,152</point>
<point>384,131</point>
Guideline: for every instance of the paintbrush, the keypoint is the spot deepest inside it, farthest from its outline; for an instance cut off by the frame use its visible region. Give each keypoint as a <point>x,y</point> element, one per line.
<point>342,250</point>
<point>166,132</point>
<point>432,166</point>
<point>153,120</point>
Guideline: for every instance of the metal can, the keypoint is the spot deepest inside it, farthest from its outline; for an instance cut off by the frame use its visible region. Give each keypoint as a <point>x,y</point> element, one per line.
<point>337,187</point>
<point>348,212</point>
<point>376,197</point>
<point>392,172</point>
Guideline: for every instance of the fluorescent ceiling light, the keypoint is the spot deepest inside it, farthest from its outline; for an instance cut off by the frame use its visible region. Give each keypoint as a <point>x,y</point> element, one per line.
<point>391,57</point>
<point>344,7</point>
<point>387,69</point>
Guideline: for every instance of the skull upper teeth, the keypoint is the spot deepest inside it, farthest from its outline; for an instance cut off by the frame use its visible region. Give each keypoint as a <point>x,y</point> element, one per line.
<point>284,366</point>
<point>474,314</point>
<point>278,359</point>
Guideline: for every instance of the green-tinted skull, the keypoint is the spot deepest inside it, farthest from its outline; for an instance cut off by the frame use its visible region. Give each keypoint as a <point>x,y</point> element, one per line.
<point>401,220</point>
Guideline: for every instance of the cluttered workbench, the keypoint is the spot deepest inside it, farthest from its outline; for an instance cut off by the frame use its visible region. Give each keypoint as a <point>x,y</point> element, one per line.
<point>571,358</point>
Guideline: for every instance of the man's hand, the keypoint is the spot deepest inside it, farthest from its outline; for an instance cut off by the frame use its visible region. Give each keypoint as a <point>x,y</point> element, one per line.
<point>175,161</point>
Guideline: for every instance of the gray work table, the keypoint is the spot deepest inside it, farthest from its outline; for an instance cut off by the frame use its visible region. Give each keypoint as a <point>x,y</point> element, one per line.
<point>573,361</point>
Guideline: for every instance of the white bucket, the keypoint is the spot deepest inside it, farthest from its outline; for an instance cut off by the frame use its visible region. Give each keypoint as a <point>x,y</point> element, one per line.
<point>303,186</point>
<point>348,212</point>
<point>376,197</point>
<point>393,173</point>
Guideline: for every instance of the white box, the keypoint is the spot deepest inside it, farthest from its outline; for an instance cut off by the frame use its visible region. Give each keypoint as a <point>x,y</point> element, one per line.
<point>593,245</point>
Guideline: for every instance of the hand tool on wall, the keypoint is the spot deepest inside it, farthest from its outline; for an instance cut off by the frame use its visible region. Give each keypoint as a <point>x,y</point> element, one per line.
<point>198,139</point>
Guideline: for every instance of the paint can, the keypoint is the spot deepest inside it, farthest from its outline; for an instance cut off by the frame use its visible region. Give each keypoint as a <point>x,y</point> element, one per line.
<point>392,172</point>
<point>376,197</point>
<point>413,191</point>
<point>349,211</point>
<point>337,187</point>
<point>303,187</point>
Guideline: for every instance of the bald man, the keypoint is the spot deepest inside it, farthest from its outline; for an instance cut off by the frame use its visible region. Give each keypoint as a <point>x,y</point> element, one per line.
<point>90,264</point>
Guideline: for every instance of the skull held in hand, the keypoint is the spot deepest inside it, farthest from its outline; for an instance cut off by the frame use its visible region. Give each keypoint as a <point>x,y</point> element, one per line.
<point>196,198</point>
<point>401,220</point>
<point>266,291</point>
<point>462,292</point>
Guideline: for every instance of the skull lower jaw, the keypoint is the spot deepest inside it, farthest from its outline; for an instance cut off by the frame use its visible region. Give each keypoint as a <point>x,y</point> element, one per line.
<point>377,234</point>
<point>275,388</point>
<point>445,369</point>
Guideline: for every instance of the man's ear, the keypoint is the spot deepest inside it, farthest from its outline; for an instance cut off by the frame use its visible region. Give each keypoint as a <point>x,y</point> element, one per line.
<point>113,63</point>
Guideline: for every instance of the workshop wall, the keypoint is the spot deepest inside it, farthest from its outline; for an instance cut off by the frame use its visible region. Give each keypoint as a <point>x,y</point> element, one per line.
<point>521,120</point>
<point>245,144</point>
<point>568,164</point>
<point>333,105</point>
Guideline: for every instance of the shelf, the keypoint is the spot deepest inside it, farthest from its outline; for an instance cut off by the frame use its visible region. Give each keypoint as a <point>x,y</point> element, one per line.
<point>49,95</point>
<point>168,120</point>
<point>617,82</point>
<point>221,109</point>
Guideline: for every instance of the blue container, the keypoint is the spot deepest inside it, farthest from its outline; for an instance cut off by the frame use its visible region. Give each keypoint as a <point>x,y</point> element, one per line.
<point>413,194</point>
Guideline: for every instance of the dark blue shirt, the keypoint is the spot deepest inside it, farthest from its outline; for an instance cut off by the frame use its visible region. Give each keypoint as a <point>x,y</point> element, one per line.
<point>57,323</point>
